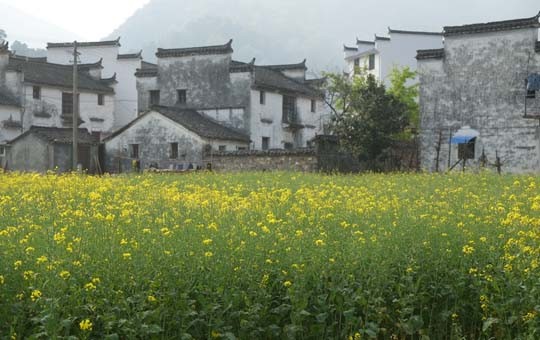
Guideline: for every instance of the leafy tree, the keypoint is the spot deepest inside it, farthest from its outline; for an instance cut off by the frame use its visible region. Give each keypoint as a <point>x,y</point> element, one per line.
<point>366,118</point>
<point>407,93</point>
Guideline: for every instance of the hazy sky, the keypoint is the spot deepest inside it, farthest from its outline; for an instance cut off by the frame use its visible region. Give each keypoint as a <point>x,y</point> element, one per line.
<point>92,20</point>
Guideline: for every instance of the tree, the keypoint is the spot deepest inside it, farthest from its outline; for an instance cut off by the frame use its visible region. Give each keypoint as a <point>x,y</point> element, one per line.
<point>366,118</point>
<point>408,94</point>
<point>22,49</point>
<point>3,35</point>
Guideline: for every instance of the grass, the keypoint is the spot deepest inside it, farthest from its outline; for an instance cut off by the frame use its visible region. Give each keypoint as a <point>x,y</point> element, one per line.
<point>282,255</point>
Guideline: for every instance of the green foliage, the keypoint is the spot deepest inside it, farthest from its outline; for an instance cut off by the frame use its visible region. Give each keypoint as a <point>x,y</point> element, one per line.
<point>407,94</point>
<point>366,117</point>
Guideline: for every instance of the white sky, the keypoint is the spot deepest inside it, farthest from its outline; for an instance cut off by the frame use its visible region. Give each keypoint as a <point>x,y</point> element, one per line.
<point>91,20</point>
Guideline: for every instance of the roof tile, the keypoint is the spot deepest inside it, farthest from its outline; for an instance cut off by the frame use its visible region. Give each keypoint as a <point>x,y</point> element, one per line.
<point>495,26</point>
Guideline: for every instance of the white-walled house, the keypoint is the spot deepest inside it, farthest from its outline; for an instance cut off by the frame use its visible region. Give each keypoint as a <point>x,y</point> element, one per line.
<point>35,93</point>
<point>275,105</point>
<point>120,66</point>
<point>380,56</point>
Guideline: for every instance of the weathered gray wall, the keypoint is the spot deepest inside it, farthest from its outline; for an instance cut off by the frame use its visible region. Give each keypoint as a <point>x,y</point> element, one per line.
<point>208,82</point>
<point>29,153</point>
<point>305,161</point>
<point>481,83</point>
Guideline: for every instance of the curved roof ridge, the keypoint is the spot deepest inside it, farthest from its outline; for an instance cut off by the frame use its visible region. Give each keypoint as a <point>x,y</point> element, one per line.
<point>493,26</point>
<point>200,50</point>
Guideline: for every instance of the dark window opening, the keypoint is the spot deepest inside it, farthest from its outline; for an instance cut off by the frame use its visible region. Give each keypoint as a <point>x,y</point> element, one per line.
<point>266,143</point>
<point>241,148</point>
<point>371,65</point>
<point>313,106</point>
<point>154,97</point>
<point>466,150</point>
<point>174,150</point>
<point>134,151</point>
<point>222,148</point>
<point>36,92</point>
<point>262,97</point>
<point>289,109</point>
<point>531,94</point>
<point>101,99</point>
<point>67,103</point>
<point>288,146</point>
<point>357,62</point>
<point>2,150</point>
<point>181,96</point>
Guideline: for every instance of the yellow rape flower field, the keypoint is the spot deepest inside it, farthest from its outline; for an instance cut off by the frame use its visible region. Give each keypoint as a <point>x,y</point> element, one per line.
<point>261,256</point>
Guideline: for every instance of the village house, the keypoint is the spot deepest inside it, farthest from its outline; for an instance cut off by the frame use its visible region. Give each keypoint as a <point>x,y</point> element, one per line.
<point>36,93</point>
<point>121,67</point>
<point>380,56</point>
<point>169,138</point>
<point>275,105</point>
<point>480,99</point>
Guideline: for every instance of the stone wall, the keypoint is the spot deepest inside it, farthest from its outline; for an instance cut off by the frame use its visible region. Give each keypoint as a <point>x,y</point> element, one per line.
<point>272,160</point>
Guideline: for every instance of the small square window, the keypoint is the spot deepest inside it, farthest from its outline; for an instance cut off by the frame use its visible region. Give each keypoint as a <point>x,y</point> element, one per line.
<point>36,92</point>
<point>222,148</point>
<point>100,99</point>
<point>531,94</point>
<point>313,105</point>
<point>357,62</point>
<point>289,146</point>
<point>181,96</point>
<point>241,148</point>
<point>134,151</point>
<point>174,150</point>
<point>262,97</point>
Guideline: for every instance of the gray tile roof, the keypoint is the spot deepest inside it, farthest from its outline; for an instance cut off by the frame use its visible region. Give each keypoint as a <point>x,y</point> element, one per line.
<point>85,43</point>
<point>493,26</point>
<point>347,48</point>
<point>189,51</point>
<point>147,70</point>
<point>390,31</point>
<point>299,66</point>
<point>6,98</point>
<point>41,73</point>
<point>378,37</point>
<point>430,54</point>
<point>364,42</point>
<point>130,55</point>
<point>59,135</point>
<point>275,80</point>
<point>194,121</point>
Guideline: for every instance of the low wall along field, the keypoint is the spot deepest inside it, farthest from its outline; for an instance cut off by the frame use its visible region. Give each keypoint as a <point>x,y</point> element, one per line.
<point>269,255</point>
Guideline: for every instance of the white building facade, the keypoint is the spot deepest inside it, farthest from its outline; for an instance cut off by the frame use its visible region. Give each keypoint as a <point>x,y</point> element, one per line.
<point>380,56</point>
<point>120,66</point>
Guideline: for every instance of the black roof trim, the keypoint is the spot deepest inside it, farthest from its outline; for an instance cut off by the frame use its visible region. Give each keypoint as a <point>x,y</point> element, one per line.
<point>365,42</point>
<point>58,135</point>
<point>390,31</point>
<point>430,54</point>
<point>191,51</point>
<point>97,64</point>
<point>348,48</point>
<point>146,72</point>
<point>299,66</point>
<point>241,67</point>
<point>137,55</point>
<point>86,44</point>
<point>377,37</point>
<point>494,26</point>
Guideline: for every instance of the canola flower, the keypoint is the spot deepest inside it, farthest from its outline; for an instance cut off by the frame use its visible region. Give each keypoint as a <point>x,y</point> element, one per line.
<point>270,256</point>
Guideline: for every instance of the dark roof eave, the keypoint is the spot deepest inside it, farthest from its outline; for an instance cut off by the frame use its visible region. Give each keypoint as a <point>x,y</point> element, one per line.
<point>494,26</point>
<point>86,44</point>
<point>69,88</point>
<point>192,51</point>
<point>430,54</point>
<point>390,31</point>
<point>277,89</point>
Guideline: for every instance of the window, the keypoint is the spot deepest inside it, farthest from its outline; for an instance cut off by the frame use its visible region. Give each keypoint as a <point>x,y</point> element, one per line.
<point>134,151</point>
<point>36,92</point>
<point>241,148</point>
<point>67,103</point>
<point>371,65</point>
<point>100,99</point>
<point>154,97</point>
<point>173,151</point>
<point>262,97</point>
<point>289,109</point>
<point>222,148</point>
<point>288,146</point>
<point>356,62</point>
<point>266,143</point>
<point>2,150</point>
<point>313,105</point>
<point>531,94</point>
<point>466,150</point>
<point>181,96</point>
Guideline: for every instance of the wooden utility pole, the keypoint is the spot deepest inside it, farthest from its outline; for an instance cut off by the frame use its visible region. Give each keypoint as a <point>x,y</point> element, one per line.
<point>75,110</point>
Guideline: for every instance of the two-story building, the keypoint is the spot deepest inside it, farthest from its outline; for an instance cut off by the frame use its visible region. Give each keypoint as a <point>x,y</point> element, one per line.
<point>480,97</point>
<point>275,105</point>
<point>381,55</point>
<point>36,93</point>
<point>120,66</point>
